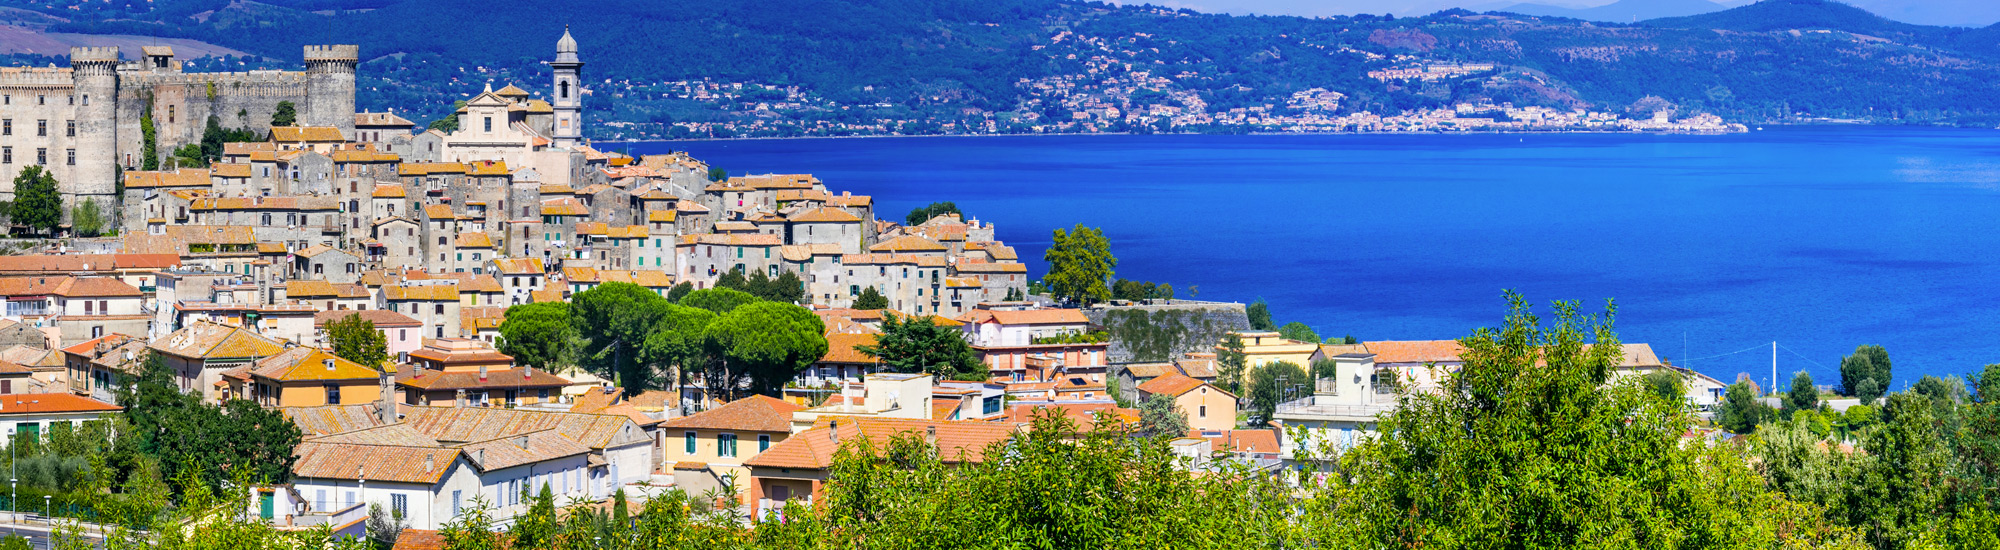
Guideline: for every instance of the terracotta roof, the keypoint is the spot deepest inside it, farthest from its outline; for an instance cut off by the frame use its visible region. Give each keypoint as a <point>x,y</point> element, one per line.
<point>755,413</point>
<point>386,434</point>
<point>389,191</point>
<point>382,119</point>
<point>332,419</point>
<point>483,423</point>
<point>206,340</point>
<point>309,364</point>
<point>1415,351</point>
<point>434,293</point>
<point>350,461</point>
<point>316,134</point>
<point>419,539</point>
<point>516,449</point>
<point>518,266</point>
<point>1262,441</point>
<point>661,216</point>
<point>990,267</point>
<point>841,348</point>
<point>475,240</point>
<point>908,243</point>
<point>1084,414</point>
<point>496,379</point>
<point>563,207</point>
<point>1173,385</point>
<point>1148,371</point>
<point>43,403</point>
<point>814,449</point>
<point>72,263</point>
<point>185,177</point>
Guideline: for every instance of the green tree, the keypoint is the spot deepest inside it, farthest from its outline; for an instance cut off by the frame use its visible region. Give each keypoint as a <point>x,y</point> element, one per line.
<point>679,291</point>
<point>1259,314</point>
<point>286,114</point>
<point>1298,331</point>
<point>356,339</point>
<point>471,528</point>
<point>1740,411</point>
<point>1905,489</point>
<point>1230,363</point>
<point>1160,416</point>
<point>1666,384</point>
<point>149,139</point>
<point>679,343</point>
<point>1803,396</point>
<point>870,300</point>
<point>1272,384</point>
<point>212,138</point>
<point>767,343</point>
<point>719,300</point>
<point>920,345</point>
<point>449,123</point>
<point>924,214</point>
<point>87,219</point>
<point>37,201</point>
<point>537,526</point>
<point>614,320</point>
<point>1532,444</point>
<point>384,526</point>
<point>1080,262</point>
<point>717,174</point>
<point>1869,362</point>
<point>540,335</point>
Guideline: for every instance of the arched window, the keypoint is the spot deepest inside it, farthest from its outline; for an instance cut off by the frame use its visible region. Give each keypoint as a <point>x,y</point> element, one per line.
<point>564,86</point>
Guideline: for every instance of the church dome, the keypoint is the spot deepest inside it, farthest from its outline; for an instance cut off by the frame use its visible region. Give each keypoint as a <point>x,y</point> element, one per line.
<point>567,44</point>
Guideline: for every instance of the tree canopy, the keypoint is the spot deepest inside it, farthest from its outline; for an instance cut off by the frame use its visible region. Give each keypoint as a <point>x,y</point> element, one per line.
<point>1868,363</point>
<point>925,213</point>
<point>1080,262</point>
<point>678,344</point>
<point>767,343</point>
<point>37,202</point>
<point>540,335</point>
<point>356,339</point>
<point>614,320</point>
<point>870,300</point>
<point>1273,383</point>
<point>918,344</point>
<point>719,300</point>
<point>286,114</point>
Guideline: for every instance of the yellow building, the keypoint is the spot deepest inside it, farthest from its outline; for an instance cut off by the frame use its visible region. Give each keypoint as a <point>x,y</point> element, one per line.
<point>310,377</point>
<point>1268,347</point>
<point>1207,407</point>
<point>708,449</point>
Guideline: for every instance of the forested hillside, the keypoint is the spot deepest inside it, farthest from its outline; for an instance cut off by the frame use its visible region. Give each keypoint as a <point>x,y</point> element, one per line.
<point>928,66</point>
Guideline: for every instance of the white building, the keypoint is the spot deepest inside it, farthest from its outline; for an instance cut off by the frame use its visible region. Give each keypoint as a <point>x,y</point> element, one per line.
<point>24,415</point>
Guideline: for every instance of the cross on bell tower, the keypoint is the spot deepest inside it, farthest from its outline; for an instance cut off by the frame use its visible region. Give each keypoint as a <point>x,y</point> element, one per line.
<point>568,92</point>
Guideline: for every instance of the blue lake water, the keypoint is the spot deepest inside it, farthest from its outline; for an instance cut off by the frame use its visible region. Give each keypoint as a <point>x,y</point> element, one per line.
<point>1820,239</point>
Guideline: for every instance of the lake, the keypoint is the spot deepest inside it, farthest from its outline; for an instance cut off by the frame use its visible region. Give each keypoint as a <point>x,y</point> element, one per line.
<point>1818,238</point>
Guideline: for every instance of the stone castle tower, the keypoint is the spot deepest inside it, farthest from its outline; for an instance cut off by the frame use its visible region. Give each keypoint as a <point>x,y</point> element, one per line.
<point>83,123</point>
<point>568,93</point>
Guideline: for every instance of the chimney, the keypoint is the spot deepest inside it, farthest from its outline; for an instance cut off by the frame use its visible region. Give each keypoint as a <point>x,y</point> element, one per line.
<point>429,463</point>
<point>482,373</point>
<point>329,364</point>
<point>386,412</point>
<point>460,401</point>
<point>833,431</point>
<point>930,436</point>
<point>522,442</point>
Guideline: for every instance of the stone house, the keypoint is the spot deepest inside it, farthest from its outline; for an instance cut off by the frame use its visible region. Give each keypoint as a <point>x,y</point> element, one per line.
<point>708,449</point>
<point>1207,407</point>
<point>201,352</point>
<point>433,303</point>
<point>323,263</point>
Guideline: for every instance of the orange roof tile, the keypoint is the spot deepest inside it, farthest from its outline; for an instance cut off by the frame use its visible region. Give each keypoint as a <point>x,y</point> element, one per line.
<point>755,413</point>
<point>814,449</point>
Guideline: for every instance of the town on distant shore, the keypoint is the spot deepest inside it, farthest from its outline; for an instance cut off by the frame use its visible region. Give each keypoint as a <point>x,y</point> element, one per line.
<point>239,302</point>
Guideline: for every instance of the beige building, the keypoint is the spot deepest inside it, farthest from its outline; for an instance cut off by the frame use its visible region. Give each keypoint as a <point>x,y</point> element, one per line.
<point>708,449</point>
<point>1207,407</point>
<point>308,377</point>
<point>1260,348</point>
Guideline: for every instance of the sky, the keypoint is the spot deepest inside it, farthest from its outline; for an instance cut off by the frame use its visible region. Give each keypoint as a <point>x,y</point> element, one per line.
<point>1964,13</point>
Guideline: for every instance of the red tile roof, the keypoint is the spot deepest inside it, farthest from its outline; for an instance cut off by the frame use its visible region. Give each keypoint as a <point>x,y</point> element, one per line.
<point>1173,385</point>
<point>44,403</point>
<point>814,449</point>
<point>755,413</point>
<point>1415,351</point>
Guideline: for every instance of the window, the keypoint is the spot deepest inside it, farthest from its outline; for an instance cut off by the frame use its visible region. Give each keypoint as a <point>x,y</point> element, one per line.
<point>7,127</point>
<point>42,156</point>
<point>42,127</point>
<point>72,156</point>
<point>400,505</point>
<point>6,155</point>
<point>69,128</point>
<point>332,394</point>
<point>489,124</point>
<point>170,113</point>
<point>690,443</point>
<point>725,445</point>
<point>1203,411</point>
<point>763,443</point>
<point>440,311</point>
<point>457,502</point>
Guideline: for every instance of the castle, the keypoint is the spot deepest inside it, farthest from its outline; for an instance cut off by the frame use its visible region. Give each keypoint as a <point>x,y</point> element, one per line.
<point>83,123</point>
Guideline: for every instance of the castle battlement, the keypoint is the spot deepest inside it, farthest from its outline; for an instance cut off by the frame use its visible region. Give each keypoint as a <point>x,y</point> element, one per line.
<point>333,52</point>
<point>36,77</point>
<point>256,78</point>
<point>93,54</point>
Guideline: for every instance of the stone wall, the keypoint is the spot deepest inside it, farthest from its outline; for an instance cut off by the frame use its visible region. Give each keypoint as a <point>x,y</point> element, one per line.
<point>1165,329</point>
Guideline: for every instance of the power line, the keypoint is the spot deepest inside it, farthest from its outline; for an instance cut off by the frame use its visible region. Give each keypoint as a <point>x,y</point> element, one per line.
<point>1685,360</point>
<point>1803,356</point>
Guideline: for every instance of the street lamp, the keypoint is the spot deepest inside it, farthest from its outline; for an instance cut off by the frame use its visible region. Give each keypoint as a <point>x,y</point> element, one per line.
<point>48,508</point>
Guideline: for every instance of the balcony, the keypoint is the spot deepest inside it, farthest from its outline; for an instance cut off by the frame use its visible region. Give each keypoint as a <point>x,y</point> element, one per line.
<point>1326,407</point>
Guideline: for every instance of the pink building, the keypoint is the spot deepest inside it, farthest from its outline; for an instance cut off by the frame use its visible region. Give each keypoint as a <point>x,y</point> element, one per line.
<point>403,334</point>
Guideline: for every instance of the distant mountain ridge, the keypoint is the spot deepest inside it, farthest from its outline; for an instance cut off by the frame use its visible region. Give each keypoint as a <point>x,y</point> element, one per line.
<point>917,64</point>
<point>1622,11</point>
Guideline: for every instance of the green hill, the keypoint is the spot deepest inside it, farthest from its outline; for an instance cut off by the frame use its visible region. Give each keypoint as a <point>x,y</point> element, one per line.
<point>919,66</point>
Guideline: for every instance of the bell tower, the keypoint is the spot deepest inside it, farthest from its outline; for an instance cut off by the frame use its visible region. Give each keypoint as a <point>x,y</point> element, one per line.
<point>568,93</point>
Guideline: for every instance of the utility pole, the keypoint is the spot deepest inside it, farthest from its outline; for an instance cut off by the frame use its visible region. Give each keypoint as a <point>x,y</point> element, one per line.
<point>1774,367</point>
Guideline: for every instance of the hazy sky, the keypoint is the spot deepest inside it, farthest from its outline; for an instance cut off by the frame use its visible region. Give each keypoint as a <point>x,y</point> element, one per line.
<point>1971,13</point>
